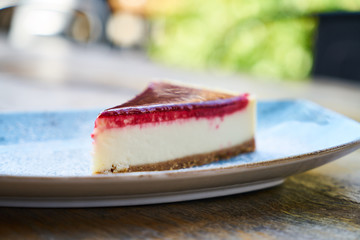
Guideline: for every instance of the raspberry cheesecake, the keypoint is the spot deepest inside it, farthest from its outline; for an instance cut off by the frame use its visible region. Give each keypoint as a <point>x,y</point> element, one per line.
<point>170,126</point>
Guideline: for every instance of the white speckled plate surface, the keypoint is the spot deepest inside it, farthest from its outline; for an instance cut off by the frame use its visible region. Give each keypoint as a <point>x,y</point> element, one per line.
<point>45,159</point>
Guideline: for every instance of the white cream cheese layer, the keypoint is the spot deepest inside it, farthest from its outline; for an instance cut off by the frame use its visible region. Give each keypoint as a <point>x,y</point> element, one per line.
<point>150,143</point>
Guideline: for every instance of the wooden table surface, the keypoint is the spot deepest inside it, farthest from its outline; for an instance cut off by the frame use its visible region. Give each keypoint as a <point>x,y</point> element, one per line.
<point>323,203</point>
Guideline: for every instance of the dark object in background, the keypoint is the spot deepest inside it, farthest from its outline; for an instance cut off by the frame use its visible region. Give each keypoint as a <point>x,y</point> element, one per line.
<point>5,18</point>
<point>337,49</point>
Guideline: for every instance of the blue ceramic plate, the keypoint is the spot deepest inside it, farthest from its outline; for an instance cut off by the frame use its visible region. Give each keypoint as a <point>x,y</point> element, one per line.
<point>45,159</point>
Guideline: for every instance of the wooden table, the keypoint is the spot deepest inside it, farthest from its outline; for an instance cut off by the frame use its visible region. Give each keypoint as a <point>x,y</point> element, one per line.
<point>323,203</point>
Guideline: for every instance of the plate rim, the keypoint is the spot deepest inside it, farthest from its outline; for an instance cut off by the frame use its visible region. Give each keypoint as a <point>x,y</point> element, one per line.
<point>138,199</point>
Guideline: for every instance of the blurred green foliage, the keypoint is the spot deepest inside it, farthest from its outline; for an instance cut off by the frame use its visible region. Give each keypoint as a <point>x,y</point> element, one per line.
<point>272,38</point>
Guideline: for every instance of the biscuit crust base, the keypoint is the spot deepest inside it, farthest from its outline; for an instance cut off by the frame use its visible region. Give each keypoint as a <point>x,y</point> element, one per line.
<point>191,161</point>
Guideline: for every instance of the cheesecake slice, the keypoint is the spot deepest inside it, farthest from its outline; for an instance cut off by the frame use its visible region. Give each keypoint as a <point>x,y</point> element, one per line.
<point>170,126</point>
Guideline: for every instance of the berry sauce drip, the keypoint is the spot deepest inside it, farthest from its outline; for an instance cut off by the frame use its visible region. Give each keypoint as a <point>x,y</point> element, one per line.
<point>163,102</point>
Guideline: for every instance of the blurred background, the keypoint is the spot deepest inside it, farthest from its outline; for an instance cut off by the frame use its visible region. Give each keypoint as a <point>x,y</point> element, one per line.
<point>96,52</point>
